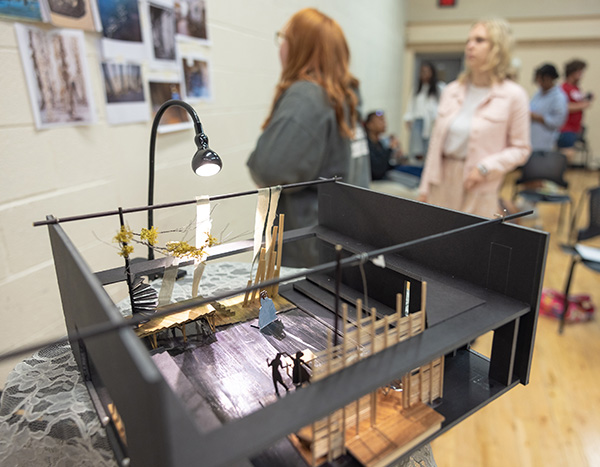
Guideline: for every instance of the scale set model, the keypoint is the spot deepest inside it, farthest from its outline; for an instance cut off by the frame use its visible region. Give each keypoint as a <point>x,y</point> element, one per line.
<point>360,358</point>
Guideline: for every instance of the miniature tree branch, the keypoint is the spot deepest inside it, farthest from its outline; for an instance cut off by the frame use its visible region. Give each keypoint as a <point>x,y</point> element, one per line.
<point>149,238</point>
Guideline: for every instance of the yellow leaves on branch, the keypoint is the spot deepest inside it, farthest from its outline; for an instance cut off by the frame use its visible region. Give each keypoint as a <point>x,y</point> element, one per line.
<point>124,236</point>
<point>183,249</point>
<point>125,251</point>
<point>149,235</point>
<point>210,240</point>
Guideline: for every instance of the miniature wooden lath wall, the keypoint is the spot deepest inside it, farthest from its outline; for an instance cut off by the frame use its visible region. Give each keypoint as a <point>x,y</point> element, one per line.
<point>368,337</point>
<point>269,265</point>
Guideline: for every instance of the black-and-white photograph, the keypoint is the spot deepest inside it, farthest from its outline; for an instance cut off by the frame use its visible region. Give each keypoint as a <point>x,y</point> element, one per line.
<point>162,22</point>
<point>57,76</point>
<point>190,16</point>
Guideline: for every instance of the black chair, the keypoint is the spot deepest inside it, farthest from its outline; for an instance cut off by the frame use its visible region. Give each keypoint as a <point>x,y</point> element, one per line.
<point>544,166</point>
<point>592,230</point>
<point>581,149</point>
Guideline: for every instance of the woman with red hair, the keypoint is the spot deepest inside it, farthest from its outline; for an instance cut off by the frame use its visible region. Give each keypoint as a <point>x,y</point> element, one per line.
<point>308,131</point>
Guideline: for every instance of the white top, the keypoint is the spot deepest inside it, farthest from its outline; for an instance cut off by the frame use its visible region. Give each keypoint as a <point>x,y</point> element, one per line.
<point>419,109</point>
<point>457,140</point>
<point>423,106</point>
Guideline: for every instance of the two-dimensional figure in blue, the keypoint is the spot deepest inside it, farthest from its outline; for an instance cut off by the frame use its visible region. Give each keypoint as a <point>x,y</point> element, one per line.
<point>267,313</point>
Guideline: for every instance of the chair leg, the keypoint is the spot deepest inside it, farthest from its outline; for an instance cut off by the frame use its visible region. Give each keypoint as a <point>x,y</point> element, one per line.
<point>575,212</point>
<point>560,217</point>
<point>563,316</point>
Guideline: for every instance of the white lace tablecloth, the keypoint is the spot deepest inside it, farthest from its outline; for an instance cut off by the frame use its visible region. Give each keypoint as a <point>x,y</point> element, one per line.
<point>47,417</point>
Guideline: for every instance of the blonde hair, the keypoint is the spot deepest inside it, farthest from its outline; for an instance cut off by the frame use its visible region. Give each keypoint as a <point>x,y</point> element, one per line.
<point>499,57</point>
<point>318,52</point>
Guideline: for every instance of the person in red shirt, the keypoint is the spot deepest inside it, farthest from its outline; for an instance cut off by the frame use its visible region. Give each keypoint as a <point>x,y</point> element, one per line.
<point>578,102</point>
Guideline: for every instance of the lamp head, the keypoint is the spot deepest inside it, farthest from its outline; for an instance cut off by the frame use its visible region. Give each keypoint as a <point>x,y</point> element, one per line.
<point>205,162</point>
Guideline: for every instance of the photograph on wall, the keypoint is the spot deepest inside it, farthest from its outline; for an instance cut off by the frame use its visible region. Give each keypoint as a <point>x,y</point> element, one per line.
<point>197,83</point>
<point>57,76</point>
<point>30,10</point>
<point>121,30</point>
<point>175,118</point>
<point>190,17</point>
<point>162,32</point>
<point>124,93</point>
<point>75,14</point>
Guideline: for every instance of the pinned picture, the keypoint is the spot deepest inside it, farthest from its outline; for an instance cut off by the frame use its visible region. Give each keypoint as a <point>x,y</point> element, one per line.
<point>190,17</point>
<point>175,118</point>
<point>196,78</point>
<point>121,29</point>
<point>162,32</point>
<point>30,10</point>
<point>57,77</point>
<point>76,14</point>
<point>124,88</point>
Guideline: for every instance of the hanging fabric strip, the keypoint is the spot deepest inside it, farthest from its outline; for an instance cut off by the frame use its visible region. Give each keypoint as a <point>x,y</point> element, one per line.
<point>203,220</point>
<point>198,271</point>
<point>275,192</point>
<point>262,206</point>
<point>168,281</point>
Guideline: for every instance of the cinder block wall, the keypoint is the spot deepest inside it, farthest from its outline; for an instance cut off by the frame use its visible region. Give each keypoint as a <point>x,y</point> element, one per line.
<point>77,170</point>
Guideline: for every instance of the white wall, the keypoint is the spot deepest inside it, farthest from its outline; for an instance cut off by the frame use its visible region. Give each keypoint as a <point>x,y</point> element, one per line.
<point>72,171</point>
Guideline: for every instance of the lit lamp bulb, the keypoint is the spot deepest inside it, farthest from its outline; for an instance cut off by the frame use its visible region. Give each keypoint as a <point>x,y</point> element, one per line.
<point>205,162</point>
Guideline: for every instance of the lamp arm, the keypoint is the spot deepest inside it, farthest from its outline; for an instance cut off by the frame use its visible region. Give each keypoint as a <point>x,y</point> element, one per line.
<point>197,126</point>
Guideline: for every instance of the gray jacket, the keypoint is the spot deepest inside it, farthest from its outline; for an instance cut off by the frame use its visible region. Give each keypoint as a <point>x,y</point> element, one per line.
<point>301,143</point>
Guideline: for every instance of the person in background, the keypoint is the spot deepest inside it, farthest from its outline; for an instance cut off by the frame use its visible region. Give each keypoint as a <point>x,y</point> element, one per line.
<point>359,173</point>
<point>482,130</point>
<point>308,131</point>
<point>548,110</point>
<point>578,102</point>
<point>422,109</point>
<point>383,156</point>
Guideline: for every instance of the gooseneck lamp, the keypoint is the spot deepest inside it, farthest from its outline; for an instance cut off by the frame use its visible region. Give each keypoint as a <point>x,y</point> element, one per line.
<point>205,162</point>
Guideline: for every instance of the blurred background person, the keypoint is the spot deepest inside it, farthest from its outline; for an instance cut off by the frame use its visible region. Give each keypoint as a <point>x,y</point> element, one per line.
<point>548,110</point>
<point>308,131</point>
<point>422,109</point>
<point>482,129</point>
<point>384,153</point>
<point>578,102</point>
<point>359,173</point>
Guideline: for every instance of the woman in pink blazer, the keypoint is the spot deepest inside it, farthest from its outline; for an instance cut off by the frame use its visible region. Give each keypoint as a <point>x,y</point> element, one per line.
<point>482,128</point>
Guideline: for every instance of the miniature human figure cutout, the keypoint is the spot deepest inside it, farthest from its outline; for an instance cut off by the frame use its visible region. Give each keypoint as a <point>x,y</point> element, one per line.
<point>276,364</point>
<point>300,373</point>
<point>267,312</point>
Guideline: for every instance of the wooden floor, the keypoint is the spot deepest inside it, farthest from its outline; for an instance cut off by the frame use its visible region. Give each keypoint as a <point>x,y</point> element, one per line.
<point>555,420</point>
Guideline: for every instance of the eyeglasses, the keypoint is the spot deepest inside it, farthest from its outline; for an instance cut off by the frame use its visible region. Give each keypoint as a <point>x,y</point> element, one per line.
<point>279,38</point>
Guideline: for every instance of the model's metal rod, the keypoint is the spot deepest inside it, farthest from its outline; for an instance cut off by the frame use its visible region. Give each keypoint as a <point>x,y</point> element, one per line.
<point>353,260</point>
<point>60,220</point>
